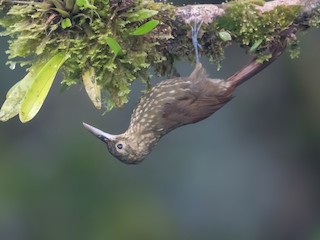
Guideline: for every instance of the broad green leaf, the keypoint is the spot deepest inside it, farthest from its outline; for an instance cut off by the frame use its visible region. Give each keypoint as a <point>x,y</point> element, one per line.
<point>141,15</point>
<point>11,90</point>
<point>15,95</point>
<point>225,36</point>
<point>114,45</point>
<point>145,28</point>
<point>255,45</point>
<point>40,87</point>
<point>66,23</point>
<point>92,88</point>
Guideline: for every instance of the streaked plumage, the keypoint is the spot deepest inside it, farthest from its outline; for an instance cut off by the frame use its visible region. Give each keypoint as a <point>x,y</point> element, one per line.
<point>168,105</point>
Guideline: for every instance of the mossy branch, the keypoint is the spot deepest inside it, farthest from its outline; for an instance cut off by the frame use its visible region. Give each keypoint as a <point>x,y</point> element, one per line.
<point>109,43</point>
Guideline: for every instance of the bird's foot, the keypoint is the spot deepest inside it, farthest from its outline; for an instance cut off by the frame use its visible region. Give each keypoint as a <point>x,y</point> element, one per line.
<point>195,31</point>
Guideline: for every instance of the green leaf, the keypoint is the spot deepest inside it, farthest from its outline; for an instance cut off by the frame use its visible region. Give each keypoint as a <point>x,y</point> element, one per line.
<point>255,45</point>
<point>114,45</point>
<point>69,4</point>
<point>40,87</point>
<point>92,87</point>
<point>85,4</point>
<point>225,36</point>
<point>141,15</point>
<point>12,89</point>
<point>63,13</point>
<point>66,23</point>
<point>145,28</point>
<point>15,95</point>
<point>58,4</point>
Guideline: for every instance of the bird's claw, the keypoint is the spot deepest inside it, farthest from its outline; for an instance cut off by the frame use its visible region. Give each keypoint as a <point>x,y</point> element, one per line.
<point>195,31</point>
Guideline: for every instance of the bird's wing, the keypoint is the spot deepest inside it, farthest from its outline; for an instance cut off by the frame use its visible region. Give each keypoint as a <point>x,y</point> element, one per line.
<point>192,107</point>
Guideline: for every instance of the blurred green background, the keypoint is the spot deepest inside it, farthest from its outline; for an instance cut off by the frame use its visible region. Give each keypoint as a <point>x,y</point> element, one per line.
<point>249,172</point>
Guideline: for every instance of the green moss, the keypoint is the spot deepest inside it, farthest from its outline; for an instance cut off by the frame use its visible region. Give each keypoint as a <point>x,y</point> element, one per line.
<point>314,21</point>
<point>38,30</point>
<point>255,30</point>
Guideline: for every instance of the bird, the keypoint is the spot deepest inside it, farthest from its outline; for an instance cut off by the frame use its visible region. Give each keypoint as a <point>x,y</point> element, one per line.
<point>168,105</point>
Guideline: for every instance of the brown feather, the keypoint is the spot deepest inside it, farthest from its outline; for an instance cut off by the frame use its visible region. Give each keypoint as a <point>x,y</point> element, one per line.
<point>195,106</point>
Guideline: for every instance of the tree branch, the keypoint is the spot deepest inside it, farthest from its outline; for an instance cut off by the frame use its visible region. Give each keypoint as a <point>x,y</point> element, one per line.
<point>111,44</point>
<point>209,13</point>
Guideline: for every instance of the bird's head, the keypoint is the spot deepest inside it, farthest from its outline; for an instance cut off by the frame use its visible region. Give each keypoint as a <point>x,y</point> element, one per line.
<point>121,146</point>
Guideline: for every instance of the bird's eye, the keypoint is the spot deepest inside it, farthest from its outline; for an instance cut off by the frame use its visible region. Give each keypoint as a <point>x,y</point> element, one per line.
<point>119,146</point>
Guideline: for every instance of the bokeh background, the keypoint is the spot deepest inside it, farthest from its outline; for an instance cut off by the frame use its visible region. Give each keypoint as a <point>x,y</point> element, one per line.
<point>249,172</point>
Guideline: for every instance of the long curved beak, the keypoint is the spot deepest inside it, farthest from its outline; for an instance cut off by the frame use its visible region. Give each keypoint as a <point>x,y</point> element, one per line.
<point>105,137</point>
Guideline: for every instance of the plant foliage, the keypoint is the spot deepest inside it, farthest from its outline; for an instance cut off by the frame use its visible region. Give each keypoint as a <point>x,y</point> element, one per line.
<point>100,39</point>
